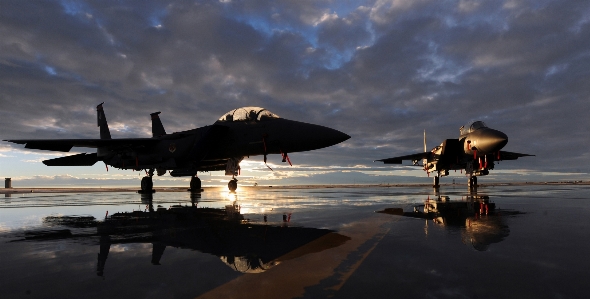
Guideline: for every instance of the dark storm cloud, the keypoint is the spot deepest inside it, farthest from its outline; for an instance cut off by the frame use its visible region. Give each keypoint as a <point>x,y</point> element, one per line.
<point>381,71</point>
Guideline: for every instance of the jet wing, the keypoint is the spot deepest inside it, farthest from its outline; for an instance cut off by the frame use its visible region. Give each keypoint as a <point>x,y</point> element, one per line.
<point>512,156</point>
<point>74,160</point>
<point>413,157</point>
<point>65,145</point>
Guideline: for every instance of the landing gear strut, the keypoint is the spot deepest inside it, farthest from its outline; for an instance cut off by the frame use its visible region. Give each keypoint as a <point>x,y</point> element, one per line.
<point>436,182</point>
<point>472,182</point>
<point>233,184</point>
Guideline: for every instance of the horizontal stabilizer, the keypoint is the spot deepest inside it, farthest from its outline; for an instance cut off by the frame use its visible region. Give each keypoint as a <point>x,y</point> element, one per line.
<point>74,160</point>
<point>65,145</point>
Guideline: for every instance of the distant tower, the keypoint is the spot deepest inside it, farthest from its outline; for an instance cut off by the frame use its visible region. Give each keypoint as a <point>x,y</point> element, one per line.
<point>8,183</point>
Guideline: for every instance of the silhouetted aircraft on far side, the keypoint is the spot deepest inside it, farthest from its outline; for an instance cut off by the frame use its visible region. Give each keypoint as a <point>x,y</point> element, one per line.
<point>475,151</point>
<point>247,131</point>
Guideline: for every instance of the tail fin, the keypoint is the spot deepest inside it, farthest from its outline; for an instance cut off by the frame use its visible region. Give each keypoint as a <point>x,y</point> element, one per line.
<point>102,123</point>
<point>425,141</point>
<point>157,127</point>
<point>425,161</point>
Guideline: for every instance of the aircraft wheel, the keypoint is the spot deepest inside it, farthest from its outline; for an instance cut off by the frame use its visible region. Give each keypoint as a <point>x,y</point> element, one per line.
<point>147,184</point>
<point>232,185</point>
<point>474,181</point>
<point>195,184</point>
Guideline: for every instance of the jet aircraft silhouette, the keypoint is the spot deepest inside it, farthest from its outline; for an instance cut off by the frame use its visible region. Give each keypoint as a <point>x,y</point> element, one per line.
<point>475,151</point>
<point>246,131</point>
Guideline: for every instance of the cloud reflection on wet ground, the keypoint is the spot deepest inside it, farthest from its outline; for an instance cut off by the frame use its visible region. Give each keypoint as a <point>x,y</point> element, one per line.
<point>291,243</point>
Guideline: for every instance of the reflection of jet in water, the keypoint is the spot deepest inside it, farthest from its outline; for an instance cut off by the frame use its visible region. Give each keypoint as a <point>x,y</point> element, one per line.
<point>480,222</point>
<point>244,245</point>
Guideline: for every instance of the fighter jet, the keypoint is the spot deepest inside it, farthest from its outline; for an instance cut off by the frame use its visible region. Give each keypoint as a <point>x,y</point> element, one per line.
<point>476,150</point>
<point>242,132</point>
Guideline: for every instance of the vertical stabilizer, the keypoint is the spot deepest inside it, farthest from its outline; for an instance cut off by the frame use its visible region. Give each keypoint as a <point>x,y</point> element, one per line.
<point>425,161</point>
<point>425,141</point>
<point>157,127</point>
<point>102,123</point>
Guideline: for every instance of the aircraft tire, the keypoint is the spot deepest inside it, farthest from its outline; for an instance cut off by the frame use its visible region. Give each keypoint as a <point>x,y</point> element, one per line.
<point>195,184</point>
<point>147,184</point>
<point>232,185</point>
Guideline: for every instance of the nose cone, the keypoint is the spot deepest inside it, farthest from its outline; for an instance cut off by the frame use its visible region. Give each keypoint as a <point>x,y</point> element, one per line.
<point>492,141</point>
<point>332,136</point>
<point>307,137</point>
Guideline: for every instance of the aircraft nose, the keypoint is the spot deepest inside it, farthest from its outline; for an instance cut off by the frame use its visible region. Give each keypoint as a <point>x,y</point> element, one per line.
<point>338,136</point>
<point>493,141</point>
<point>307,137</point>
<point>324,136</point>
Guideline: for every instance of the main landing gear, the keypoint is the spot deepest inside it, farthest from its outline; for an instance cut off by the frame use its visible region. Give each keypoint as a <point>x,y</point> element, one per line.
<point>195,184</point>
<point>232,185</point>
<point>436,184</point>
<point>147,185</point>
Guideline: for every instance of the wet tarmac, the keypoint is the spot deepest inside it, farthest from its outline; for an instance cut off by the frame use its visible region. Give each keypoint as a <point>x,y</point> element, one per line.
<point>403,242</point>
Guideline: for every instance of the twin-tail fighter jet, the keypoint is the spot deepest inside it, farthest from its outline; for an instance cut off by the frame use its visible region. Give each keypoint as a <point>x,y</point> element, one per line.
<point>476,150</point>
<point>243,132</point>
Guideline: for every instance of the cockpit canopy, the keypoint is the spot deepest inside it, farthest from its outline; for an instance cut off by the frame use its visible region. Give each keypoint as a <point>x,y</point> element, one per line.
<point>248,114</point>
<point>476,125</point>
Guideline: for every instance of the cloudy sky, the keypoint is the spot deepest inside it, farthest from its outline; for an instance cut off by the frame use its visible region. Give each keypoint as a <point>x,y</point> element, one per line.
<point>380,71</point>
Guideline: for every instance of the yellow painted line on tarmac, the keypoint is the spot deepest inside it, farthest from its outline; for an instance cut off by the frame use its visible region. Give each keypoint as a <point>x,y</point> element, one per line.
<point>306,269</point>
